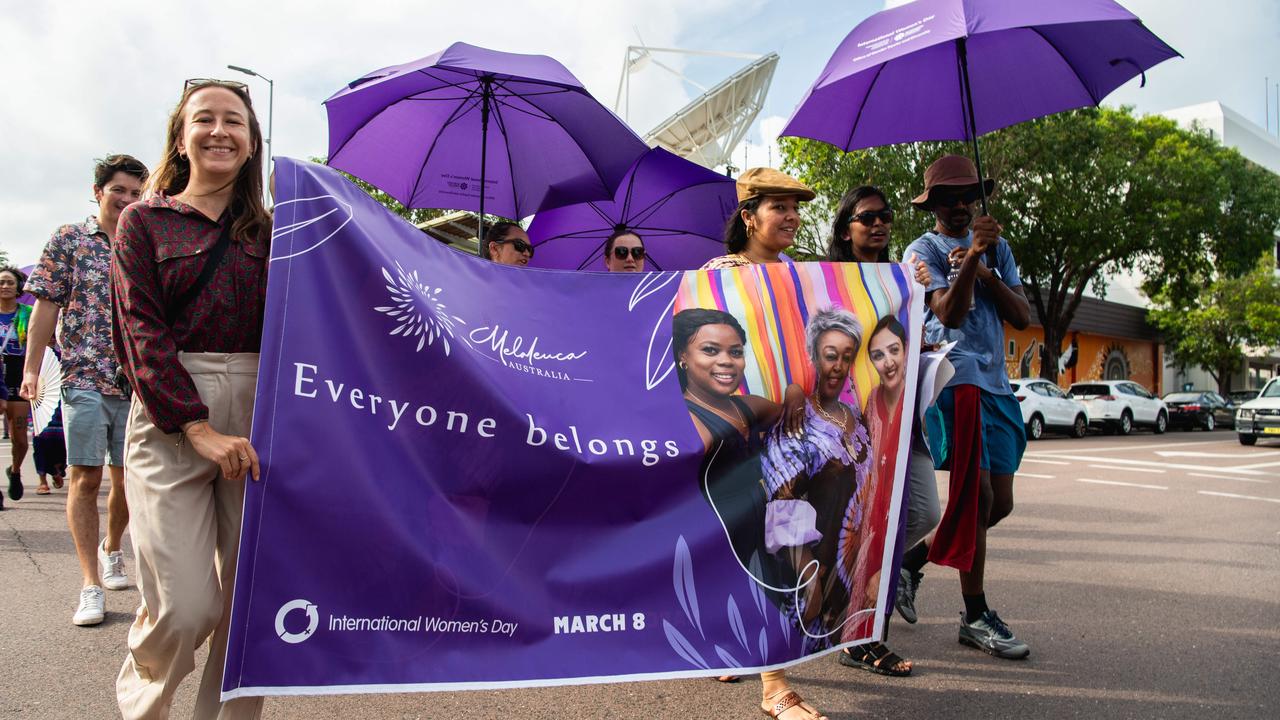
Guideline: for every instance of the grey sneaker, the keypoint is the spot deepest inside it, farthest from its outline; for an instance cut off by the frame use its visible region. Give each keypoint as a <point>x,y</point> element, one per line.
<point>990,635</point>
<point>908,583</point>
<point>91,610</point>
<point>111,565</point>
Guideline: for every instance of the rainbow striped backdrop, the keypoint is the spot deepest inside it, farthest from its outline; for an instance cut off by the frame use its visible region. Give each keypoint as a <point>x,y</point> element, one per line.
<point>773,302</point>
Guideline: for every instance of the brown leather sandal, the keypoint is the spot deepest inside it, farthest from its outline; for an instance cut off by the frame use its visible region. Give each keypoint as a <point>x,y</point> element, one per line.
<point>785,699</point>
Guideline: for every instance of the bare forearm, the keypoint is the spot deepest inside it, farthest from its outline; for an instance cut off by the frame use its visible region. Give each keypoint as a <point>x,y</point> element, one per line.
<point>1011,304</point>
<point>44,317</point>
<point>952,304</point>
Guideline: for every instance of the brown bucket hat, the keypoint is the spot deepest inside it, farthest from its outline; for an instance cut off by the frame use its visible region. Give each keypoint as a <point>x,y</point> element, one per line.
<point>767,181</point>
<point>949,171</point>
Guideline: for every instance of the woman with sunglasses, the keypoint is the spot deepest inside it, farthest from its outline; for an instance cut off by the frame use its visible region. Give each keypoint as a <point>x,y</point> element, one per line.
<point>188,286</point>
<point>624,252</point>
<point>506,243</point>
<point>860,233</point>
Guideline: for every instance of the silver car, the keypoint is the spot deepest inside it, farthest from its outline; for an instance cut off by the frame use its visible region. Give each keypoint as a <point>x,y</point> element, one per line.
<point>1260,417</point>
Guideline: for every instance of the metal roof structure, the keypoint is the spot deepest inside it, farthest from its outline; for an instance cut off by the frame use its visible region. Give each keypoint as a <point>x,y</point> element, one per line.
<point>457,230</point>
<point>707,129</point>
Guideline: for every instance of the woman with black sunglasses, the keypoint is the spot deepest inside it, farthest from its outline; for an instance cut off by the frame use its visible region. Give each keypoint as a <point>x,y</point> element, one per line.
<point>624,252</point>
<point>860,233</point>
<point>506,243</point>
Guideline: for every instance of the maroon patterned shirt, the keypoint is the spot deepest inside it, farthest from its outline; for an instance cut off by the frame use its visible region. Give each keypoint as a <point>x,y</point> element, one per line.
<point>160,248</point>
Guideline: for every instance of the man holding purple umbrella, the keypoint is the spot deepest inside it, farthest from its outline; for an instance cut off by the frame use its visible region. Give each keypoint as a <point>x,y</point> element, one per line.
<point>968,303</point>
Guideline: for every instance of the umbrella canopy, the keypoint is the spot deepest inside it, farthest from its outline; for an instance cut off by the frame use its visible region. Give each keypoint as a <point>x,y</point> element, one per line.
<point>431,132</point>
<point>677,207</point>
<point>900,75</point>
<point>27,298</point>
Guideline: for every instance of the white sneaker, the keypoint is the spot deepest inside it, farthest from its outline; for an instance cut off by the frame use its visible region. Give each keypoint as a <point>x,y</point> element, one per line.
<point>91,610</point>
<point>112,567</point>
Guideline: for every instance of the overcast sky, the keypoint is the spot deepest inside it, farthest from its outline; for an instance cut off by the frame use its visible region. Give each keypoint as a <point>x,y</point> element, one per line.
<point>85,79</point>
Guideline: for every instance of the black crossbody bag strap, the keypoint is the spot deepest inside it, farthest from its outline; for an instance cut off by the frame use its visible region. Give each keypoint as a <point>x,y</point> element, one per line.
<point>206,274</point>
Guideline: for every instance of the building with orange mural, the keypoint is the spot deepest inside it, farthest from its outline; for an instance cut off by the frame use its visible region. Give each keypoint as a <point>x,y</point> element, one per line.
<point>1107,341</point>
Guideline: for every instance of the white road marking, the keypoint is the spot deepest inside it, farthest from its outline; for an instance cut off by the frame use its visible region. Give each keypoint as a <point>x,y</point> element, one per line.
<point>1125,484</point>
<point>1219,477</point>
<point>1127,469</point>
<point>1044,462</point>
<point>1157,463</point>
<point>1033,475</point>
<point>1239,497</point>
<point>1197,454</point>
<point>1111,448</point>
<point>1256,465</point>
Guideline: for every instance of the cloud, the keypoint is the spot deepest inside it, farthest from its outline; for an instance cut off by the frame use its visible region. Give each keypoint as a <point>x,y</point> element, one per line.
<point>86,79</point>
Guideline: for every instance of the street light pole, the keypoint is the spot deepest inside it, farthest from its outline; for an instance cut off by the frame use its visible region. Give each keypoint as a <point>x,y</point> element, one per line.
<point>271,97</point>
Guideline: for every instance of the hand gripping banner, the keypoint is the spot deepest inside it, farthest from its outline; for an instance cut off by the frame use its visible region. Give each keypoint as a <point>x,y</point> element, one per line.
<point>481,476</point>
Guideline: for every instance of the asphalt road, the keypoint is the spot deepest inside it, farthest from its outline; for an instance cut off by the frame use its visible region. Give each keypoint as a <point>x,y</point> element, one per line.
<point>1143,571</point>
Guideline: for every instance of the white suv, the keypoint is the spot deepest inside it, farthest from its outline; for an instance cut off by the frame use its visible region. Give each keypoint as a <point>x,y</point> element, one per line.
<point>1119,405</point>
<point>1044,405</point>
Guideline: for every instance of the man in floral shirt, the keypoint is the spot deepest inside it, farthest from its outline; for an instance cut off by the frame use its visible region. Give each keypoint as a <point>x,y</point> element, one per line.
<point>73,279</point>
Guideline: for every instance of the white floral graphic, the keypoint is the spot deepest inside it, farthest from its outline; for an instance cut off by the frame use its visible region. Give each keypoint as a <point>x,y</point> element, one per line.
<point>418,310</point>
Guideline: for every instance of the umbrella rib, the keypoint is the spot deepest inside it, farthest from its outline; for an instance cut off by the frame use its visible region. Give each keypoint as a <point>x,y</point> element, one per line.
<point>604,183</point>
<point>371,118</point>
<point>513,94</point>
<point>511,169</point>
<point>1068,62</point>
<point>857,118</point>
<point>457,113</point>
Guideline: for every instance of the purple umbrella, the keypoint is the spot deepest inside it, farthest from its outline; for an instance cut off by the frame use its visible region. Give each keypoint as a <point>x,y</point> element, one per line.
<point>677,207</point>
<point>431,132</point>
<point>27,298</point>
<point>954,69</point>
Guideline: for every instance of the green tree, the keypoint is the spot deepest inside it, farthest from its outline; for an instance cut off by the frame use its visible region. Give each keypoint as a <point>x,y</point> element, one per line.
<point>413,215</point>
<point>1082,195</point>
<point>1230,314</point>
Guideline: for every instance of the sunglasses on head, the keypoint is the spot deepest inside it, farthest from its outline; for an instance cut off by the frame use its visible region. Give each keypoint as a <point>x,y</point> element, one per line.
<point>637,253</point>
<point>949,197</point>
<point>201,82</point>
<point>519,245</point>
<point>869,217</point>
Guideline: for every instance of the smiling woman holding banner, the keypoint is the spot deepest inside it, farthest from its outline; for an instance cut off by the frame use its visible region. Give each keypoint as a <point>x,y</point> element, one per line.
<point>188,286</point>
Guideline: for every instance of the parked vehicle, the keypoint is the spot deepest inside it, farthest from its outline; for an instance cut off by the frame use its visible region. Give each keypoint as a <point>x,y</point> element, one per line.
<point>1240,397</point>
<point>1260,417</point>
<point>1120,405</point>
<point>1045,406</point>
<point>1198,409</point>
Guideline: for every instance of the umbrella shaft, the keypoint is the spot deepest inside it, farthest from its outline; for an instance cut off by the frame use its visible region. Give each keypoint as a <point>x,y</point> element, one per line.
<point>971,125</point>
<point>487,95</point>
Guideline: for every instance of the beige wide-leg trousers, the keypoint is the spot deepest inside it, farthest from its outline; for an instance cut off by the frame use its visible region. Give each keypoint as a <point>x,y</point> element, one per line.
<point>185,525</point>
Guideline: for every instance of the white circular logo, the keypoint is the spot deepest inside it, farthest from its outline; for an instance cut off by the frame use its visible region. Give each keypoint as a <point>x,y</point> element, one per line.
<point>313,620</point>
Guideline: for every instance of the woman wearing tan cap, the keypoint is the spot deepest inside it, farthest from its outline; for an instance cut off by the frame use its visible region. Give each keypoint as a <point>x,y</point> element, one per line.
<point>765,224</point>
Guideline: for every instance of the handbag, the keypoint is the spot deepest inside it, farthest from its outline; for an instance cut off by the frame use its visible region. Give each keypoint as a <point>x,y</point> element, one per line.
<point>789,523</point>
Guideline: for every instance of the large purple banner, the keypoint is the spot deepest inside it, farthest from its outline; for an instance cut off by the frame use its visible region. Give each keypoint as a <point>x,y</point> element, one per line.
<point>481,476</point>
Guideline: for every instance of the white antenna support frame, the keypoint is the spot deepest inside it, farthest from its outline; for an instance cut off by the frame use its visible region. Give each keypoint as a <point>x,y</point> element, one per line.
<point>707,129</point>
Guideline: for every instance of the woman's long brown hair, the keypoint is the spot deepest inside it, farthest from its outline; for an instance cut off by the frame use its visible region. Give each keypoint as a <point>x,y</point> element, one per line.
<point>174,171</point>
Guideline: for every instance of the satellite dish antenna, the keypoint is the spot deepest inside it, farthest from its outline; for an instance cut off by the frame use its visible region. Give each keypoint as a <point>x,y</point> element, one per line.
<point>707,129</point>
